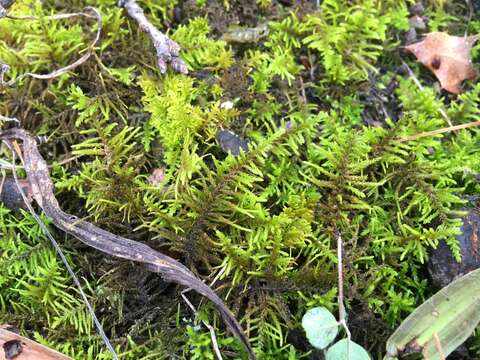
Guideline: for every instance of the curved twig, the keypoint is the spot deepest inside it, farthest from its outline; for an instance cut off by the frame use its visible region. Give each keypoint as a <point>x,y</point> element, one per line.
<point>96,15</point>
<point>76,281</point>
<point>171,270</point>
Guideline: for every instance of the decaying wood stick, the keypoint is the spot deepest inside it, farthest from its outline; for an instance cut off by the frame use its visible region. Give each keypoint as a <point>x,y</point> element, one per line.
<point>15,148</point>
<point>171,270</point>
<point>167,49</point>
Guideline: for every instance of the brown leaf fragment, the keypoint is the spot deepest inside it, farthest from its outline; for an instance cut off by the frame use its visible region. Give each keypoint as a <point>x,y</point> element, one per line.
<point>157,177</point>
<point>16,347</point>
<point>12,349</point>
<point>448,57</point>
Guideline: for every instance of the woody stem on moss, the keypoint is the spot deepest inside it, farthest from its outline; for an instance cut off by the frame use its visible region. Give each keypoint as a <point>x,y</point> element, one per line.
<point>167,49</point>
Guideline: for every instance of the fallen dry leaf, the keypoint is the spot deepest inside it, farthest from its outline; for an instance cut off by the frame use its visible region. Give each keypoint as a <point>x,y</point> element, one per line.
<point>16,347</point>
<point>448,57</point>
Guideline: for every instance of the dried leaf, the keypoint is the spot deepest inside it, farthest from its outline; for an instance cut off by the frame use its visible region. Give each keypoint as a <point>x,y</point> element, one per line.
<point>448,57</point>
<point>17,347</point>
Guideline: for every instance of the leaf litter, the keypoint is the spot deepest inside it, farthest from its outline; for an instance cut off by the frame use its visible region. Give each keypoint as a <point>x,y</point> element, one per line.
<point>448,57</point>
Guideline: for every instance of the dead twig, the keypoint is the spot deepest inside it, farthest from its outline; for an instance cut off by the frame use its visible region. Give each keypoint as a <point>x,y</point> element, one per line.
<point>60,253</point>
<point>207,325</point>
<point>167,49</point>
<point>171,270</point>
<point>96,15</point>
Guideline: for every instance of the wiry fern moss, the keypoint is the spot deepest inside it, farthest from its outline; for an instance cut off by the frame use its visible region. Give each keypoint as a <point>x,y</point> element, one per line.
<point>350,38</point>
<point>263,224</point>
<point>200,50</point>
<point>37,293</point>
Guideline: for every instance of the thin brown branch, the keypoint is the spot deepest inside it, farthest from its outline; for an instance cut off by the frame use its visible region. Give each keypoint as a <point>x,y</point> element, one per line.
<point>171,270</point>
<point>167,49</point>
<point>60,253</point>
<point>96,15</point>
<point>207,325</point>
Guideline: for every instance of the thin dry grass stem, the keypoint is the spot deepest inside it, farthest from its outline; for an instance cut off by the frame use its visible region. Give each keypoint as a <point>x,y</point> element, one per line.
<point>56,73</point>
<point>8,119</point>
<point>440,131</point>
<point>341,306</point>
<point>438,346</point>
<point>207,325</point>
<point>4,176</point>
<point>417,82</point>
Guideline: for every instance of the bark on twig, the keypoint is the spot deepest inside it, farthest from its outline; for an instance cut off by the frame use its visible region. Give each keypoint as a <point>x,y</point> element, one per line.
<point>167,49</point>
<point>171,270</point>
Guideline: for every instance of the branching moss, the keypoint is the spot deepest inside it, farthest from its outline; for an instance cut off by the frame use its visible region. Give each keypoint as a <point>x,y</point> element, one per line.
<point>265,220</point>
<point>200,50</point>
<point>350,38</point>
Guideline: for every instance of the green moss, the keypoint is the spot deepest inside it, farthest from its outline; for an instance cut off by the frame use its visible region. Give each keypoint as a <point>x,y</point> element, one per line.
<point>265,222</point>
<point>200,50</point>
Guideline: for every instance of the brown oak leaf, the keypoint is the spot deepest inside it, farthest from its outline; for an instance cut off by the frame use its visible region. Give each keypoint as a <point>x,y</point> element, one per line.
<point>448,57</point>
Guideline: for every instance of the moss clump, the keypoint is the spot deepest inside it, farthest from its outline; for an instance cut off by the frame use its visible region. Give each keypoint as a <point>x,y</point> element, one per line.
<point>322,102</point>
